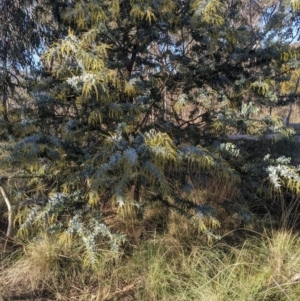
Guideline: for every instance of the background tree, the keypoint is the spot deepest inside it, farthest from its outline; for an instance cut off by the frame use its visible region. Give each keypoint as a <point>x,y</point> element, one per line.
<point>27,28</point>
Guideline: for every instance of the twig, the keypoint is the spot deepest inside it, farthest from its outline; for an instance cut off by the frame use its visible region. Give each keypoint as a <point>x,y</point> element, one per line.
<point>123,291</point>
<point>281,289</point>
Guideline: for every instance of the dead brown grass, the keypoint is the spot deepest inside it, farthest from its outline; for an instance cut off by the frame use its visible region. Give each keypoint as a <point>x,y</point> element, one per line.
<point>284,111</point>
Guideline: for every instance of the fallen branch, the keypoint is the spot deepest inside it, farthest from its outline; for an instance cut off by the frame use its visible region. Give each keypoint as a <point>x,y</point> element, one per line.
<point>243,137</point>
<point>257,138</point>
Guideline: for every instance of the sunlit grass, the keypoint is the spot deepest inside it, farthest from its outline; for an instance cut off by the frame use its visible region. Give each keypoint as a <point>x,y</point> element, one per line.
<point>292,111</point>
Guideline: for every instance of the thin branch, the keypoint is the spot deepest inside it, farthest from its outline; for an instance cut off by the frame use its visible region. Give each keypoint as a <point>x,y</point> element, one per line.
<point>155,101</point>
<point>10,220</point>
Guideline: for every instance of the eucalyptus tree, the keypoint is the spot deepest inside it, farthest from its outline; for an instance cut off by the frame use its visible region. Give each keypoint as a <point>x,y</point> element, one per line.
<point>133,101</point>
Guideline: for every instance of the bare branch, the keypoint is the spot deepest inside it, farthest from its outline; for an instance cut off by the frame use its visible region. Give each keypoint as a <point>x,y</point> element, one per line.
<point>9,210</point>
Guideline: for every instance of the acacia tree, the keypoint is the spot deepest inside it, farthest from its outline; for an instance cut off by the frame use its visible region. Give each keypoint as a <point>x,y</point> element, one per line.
<point>133,101</point>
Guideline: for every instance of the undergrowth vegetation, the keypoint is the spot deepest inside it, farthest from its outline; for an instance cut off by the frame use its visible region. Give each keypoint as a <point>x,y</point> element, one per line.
<point>174,265</point>
<point>232,240</point>
<point>166,256</point>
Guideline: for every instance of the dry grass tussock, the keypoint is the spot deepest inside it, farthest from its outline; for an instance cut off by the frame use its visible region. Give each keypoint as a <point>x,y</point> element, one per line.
<point>42,263</point>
